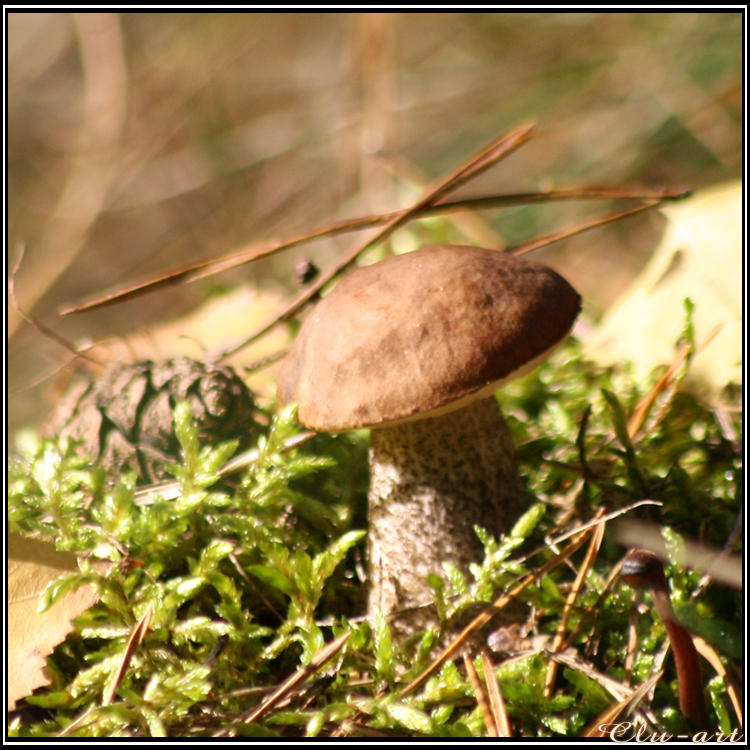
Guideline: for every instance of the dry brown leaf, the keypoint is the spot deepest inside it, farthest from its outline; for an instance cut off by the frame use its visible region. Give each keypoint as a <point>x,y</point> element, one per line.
<point>33,635</point>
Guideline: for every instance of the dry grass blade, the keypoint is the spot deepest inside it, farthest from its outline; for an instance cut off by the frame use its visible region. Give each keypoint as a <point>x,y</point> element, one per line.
<point>590,192</point>
<point>498,150</point>
<point>594,609</point>
<point>607,721</point>
<point>644,406</point>
<point>605,518</point>
<point>566,233</point>
<point>35,322</point>
<point>318,660</point>
<point>79,722</point>
<point>618,690</point>
<point>559,639</point>
<point>497,703</point>
<point>481,620</point>
<point>203,269</point>
<point>709,654</point>
<point>135,640</point>
<point>355,723</point>
<point>352,728</point>
<point>206,268</point>
<point>677,368</point>
<point>479,694</point>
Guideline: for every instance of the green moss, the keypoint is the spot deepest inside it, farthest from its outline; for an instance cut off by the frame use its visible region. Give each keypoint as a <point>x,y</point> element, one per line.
<point>246,581</point>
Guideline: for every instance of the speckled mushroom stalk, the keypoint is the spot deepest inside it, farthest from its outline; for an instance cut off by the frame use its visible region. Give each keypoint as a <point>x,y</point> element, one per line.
<point>431,482</point>
<point>414,347</point>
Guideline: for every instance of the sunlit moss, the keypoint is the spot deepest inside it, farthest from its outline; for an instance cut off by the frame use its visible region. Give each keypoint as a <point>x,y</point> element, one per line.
<point>248,580</point>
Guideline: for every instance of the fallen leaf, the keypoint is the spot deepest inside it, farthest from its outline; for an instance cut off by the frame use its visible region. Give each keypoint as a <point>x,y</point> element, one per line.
<point>700,257</point>
<point>33,635</point>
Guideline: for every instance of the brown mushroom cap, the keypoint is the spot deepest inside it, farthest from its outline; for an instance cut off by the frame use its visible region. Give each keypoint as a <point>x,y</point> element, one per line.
<point>417,332</point>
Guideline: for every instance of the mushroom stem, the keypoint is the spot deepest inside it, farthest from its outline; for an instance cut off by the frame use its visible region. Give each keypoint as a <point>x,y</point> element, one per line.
<point>433,480</point>
<point>642,569</point>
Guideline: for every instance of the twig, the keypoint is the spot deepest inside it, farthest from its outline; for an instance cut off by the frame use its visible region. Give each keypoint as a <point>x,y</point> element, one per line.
<point>481,620</point>
<point>499,712</point>
<point>559,638</point>
<point>203,269</point>
<point>35,322</point>
<point>607,721</point>
<point>593,610</point>
<point>135,640</point>
<point>709,654</point>
<point>527,247</point>
<point>318,660</point>
<point>479,694</point>
<point>676,370</point>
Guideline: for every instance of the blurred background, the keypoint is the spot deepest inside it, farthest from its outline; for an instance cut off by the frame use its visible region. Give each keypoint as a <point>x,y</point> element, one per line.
<point>140,142</point>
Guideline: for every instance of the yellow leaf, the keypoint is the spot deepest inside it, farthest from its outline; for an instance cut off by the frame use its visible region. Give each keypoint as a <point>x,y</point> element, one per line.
<point>700,257</point>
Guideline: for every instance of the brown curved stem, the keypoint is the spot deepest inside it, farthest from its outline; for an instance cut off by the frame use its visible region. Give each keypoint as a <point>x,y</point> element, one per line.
<point>644,570</point>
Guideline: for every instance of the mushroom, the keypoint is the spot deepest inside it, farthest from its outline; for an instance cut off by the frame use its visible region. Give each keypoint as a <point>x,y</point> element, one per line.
<point>643,570</point>
<point>414,347</point>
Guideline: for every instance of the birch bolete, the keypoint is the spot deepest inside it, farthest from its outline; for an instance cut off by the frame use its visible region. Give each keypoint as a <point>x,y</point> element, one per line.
<point>414,347</point>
